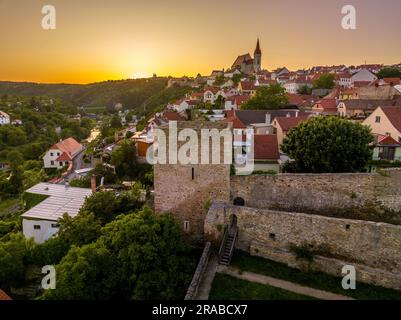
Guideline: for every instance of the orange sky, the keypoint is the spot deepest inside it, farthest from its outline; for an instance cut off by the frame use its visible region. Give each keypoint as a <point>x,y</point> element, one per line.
<point>98,40</point>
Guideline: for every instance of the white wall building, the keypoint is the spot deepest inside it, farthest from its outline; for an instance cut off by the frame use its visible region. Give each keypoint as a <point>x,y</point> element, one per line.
<point>41,221</point>
<point>62,153</point>
<point>4,118</point>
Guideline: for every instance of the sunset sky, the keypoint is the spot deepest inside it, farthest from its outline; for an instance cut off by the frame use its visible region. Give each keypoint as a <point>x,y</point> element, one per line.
<point>98,40</point>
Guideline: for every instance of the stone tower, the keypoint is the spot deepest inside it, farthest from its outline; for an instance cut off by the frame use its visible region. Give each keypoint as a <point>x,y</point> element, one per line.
<point>188,190</point>
<point>257,58</point>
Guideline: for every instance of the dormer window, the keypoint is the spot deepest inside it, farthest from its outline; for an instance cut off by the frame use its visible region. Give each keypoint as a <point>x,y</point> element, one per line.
<point>378,118</point>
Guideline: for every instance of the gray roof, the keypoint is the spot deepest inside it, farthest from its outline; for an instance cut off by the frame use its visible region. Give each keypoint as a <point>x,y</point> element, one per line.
<point>249,117</point>
<point>61,200</point>
<point>367,104</point>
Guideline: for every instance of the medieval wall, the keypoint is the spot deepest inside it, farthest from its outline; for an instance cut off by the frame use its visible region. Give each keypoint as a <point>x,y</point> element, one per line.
<point>373,248</point>
<point>375,197</point>
<point>188,190</point>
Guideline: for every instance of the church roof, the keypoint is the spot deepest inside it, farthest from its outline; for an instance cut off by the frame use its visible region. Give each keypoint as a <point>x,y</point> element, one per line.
<point>257,50</point>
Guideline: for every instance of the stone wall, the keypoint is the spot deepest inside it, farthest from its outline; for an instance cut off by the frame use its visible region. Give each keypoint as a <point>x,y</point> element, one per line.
<point>373,248</point>
<point>199,273</point>
<point>188,190</point>
<point>374,197</point>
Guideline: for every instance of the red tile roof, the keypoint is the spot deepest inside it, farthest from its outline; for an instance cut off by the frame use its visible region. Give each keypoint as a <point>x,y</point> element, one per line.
<point>383,140</point>
<point>69,145</point>
<point>392,81</point>
<point>394,116</point>
<point>266,147</point>
<point>287,123</point>
<point>64,157</point>
<point>237,123</point>
<point>172,116</point>
<point>4,296</point>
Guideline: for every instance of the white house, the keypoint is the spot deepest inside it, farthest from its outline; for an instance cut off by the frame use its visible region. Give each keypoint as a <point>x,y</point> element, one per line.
<point>293,86</point>
<point>41,221</point>
<point>345,80</point>
<point>386,121</point>
<point>211,95</point>
<point>4,118</point>
<point>62,153</point>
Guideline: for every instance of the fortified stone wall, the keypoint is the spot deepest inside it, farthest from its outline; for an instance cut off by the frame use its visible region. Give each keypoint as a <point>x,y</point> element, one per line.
<point>188,190</point>
<point>375,197</point>
<point>373,248</point>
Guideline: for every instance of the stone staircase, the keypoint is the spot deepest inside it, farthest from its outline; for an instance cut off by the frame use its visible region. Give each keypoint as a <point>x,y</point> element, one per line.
<point>228,245</point>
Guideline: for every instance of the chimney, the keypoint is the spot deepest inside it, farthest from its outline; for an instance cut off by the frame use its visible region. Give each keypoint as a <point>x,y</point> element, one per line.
<point>93,183</point>
<point>296,113</point>
<point>288,115</point>
<point>268,118</point>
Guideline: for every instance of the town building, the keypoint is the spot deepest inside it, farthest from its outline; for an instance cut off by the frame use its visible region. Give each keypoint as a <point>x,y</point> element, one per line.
<point>4,118</point>
<point>62,153</point>
<point>248,65</point>
<point>41,221</point>
<point>386,120</point>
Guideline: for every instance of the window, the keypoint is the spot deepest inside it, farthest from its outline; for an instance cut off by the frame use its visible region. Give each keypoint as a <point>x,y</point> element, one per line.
<point>52,163</point>
<point>193,173</point>
<point>378,118</point>
<point>186,226</point>
<point>347,226</point>
<point>272,236</point>
<point>55,225</point>
<point>36,227</point>
<point>58,153</point>
<point>51,154</point>
<point>399,139</point>
<point>388,134</point>
<point>61,164</point>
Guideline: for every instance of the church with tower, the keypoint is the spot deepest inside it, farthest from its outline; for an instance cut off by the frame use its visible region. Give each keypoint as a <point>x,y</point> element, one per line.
<point>248,65</point>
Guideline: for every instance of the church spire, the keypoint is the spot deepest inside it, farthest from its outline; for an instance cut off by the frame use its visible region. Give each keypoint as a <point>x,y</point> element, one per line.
<point>257,50</point>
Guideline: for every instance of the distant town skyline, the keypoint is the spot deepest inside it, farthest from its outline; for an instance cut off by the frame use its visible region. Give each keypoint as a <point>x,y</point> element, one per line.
<point>109,40</point>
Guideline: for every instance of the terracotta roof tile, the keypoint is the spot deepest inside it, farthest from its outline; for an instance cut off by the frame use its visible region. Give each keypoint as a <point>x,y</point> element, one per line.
<point>266,147</point>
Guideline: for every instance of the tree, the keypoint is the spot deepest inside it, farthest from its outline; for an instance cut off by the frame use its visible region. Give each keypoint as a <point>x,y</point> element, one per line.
<point>304,89</point>
<point>115,122</point>
<point>80,230</point>
<point>139,256</point>
<point>325,81</point>
<point>124,160</point>
<point>105,206</point>
<point>86,273</point>
<point>12,254</point>
<point>236,78</point>
<point>389,72</point>
<point>15,158</point>
<point>268,97</point>
<point>328,144</point>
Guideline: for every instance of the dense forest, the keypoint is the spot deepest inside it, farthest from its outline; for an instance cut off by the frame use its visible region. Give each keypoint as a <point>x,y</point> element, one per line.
<point>141,95</point>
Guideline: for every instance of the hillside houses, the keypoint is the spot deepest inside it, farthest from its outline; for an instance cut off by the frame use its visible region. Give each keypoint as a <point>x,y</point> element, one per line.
<point>62,153</point>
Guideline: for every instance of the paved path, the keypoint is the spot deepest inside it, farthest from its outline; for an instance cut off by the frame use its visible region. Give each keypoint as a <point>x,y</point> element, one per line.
<point>207,280</point>
<point>289,286</point>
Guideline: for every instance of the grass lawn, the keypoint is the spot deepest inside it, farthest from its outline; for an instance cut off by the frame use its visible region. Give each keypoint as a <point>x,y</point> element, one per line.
<point>8,206</point>
<point>317,280</point>
<point>225,287</point>
<point>32,199</point>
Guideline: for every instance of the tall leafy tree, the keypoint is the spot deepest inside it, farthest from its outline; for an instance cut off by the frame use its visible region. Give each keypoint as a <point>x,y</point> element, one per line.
<point>139,256</point>
<point>273,96</point>
<point>389,72</point>
<point>325,81</point>
<point>328,144</point>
